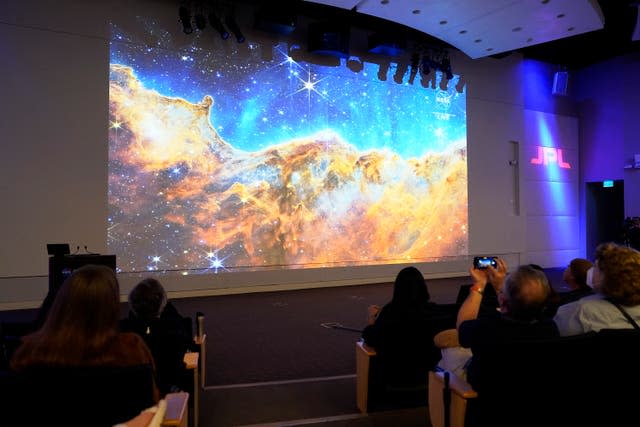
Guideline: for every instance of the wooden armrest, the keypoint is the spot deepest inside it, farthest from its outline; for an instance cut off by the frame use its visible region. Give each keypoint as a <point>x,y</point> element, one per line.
<point>369,351</point>
<point>461,391</point>
<point>457,385</point>
<point>176,413</point>
<point>363,355</point>
<point>191,359</point>
<point>447,338</point>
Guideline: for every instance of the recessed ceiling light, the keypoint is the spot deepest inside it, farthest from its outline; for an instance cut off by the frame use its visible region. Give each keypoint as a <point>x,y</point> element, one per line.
<point>516,29</point>
<point>477,40</point>
<point>415,11</point>
<point>384,1</point>
<point>530,39</point>
<point>463,31</point>
<point>489,49</point>
<point>561,15</point>
<point>544,1</point>
<point>570,28</point>
<point>443,22</point>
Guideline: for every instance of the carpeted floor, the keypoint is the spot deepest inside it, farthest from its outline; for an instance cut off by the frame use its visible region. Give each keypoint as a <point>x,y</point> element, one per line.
<point>280,335</point>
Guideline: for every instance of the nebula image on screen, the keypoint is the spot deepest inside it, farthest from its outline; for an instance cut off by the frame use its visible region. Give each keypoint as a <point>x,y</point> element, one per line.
<point>224,160</point>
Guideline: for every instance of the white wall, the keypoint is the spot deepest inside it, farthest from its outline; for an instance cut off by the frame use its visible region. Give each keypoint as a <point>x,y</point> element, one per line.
<point>53,158</point>
<point>552,220</point>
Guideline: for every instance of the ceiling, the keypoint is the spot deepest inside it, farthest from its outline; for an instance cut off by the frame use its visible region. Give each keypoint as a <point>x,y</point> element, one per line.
<point>569,33</point>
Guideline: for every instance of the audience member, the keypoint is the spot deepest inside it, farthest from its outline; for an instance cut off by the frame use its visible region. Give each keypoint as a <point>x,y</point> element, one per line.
<point>402,332</point>
<point>522,297</point>
<point>165,331</point>
<point>615,279</point>
<point>81,328</point>
<point>575,277</point>
<point>490,305</point>
<point>455,358</point>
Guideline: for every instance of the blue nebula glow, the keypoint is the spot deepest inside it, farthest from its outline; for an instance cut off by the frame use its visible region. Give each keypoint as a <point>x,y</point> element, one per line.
<point>260,103</point>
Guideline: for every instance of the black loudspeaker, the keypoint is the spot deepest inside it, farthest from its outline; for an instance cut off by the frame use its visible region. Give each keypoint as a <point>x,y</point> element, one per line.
<point>58,249</point>
<point>326,38</point>
<point>560,83</point>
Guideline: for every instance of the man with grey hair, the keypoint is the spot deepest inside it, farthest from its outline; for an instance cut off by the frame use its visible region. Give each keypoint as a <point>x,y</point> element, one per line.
<point>522,297</point>
<point>167,333</point>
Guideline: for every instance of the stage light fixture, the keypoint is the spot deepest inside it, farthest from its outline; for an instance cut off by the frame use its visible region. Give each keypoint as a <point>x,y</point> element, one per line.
<point>415,65</point>
<point>426,65</point>
<point>445,66</point>
<point>355,64</point>
<point>383,70</point>
<point>401,70</point>
<point>235,28</point>
<point>216,24</point>
<point>185,18</point>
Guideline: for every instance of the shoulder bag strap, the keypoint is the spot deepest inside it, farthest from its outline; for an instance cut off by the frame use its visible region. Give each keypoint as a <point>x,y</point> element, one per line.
<point>625,314</point>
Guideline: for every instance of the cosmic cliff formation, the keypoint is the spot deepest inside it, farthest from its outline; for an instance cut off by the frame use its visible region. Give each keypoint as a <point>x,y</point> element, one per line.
<point>181,197</point>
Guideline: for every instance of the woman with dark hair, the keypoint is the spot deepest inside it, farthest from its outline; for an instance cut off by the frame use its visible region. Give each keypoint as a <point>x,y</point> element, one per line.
<point>402,334</point>
<point>82,327</point>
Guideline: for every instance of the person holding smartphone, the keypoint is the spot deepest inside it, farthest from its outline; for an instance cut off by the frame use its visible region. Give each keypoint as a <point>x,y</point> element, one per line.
<point>522,298</point>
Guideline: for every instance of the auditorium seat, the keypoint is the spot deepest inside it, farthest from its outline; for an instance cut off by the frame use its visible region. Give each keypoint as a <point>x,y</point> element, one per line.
<point>190,376</point>
<point>584,380</point>
<point>373,395</point>
<point>364,354</point>
<point>11,334</point>
<point>71,396</point>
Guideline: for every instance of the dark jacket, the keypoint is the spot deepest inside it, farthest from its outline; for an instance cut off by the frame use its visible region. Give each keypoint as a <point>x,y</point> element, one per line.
<point>168,337</point>
<point>403,339</point>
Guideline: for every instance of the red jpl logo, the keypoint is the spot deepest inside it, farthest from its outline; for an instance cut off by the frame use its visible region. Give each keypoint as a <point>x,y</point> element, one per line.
<point>548,155</point>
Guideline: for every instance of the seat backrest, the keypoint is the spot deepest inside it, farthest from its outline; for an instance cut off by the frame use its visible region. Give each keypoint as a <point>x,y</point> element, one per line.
<point>71,396</point>
<point>11,334</point>
<point>578,380</point>
<point>405,353</point>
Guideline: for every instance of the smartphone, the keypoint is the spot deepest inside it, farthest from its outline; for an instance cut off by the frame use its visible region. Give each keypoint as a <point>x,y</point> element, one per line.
<point>482,262</point>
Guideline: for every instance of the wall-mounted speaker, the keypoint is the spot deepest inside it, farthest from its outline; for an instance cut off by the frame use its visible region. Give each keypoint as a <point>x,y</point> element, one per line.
<point>560,83</point>
<point>325,38</point>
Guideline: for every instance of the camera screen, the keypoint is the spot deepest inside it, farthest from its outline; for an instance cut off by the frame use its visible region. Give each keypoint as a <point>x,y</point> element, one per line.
<point>484,262</point>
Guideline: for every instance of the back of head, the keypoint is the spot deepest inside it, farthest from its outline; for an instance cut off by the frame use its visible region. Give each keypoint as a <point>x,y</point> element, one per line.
<point>82,319</point>
<point>410,288</point>
<point>579,268</point>
<point>526,292</point>
<point>91,297</point>
<point>620,266</point>
<point>147,299</point>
